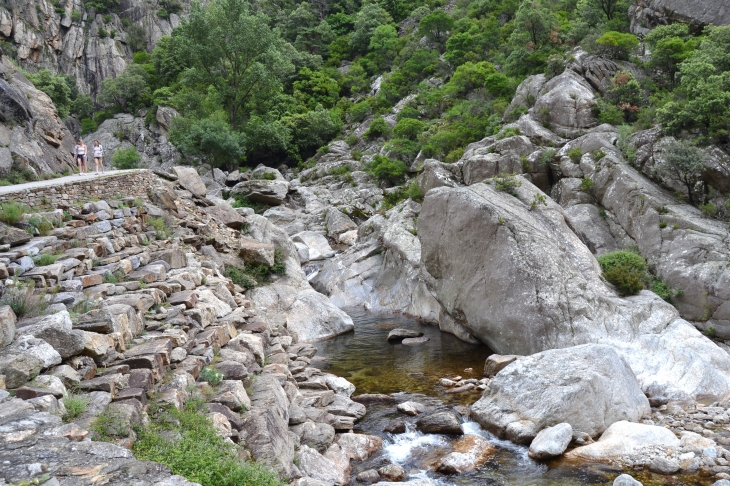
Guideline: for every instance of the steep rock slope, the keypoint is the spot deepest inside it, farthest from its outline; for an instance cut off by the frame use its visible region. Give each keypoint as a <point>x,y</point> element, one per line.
<point>32,136</point>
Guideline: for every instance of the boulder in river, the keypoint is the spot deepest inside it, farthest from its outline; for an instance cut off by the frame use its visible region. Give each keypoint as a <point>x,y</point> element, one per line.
<point>497,362</point>
<point>399,334</point>
<point>626,438</point>
<point>470,452</point>
<point>589,386</point>
<point>440,423</point>
<point>411,408</point>
<point>626,480</point>
<point>551,441</point>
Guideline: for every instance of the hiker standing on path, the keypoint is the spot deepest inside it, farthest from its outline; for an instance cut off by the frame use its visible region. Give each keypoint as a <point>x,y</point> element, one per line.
<point>80,150</point>
<point>98,156</point>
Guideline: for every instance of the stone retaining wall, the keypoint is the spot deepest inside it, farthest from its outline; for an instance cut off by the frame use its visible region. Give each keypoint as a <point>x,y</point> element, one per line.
<point>130,184</point>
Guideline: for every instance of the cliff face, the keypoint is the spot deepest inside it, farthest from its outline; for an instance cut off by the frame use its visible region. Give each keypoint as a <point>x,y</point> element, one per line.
<point>647,14</point>
<point>32,136</point>
<point>67,38</point>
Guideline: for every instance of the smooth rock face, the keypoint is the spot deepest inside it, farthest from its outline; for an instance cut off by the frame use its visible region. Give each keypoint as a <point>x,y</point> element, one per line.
<point>290,299</point>
<point>411,408</point>
<point>397,335</point>
<point>625,480</point>
<point>544,290</point>
<point>470,452</point>
<point>359,446</point>
<point>318,467</point>
<point>624,438</point>
<point>440,423</point>
<point>589,387</point>
<point>551,441</point>
<point>7,325</point>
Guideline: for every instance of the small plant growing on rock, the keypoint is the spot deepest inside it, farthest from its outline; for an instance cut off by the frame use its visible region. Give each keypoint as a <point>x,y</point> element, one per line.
<point>509,132</point>
<point>709,210</point>
<point>546,157</point>
<point>624,269</point>
<point>386,169</point>
<point>44,259</point>
<point>11,212</point>
<point>378,128</point>
<point>23,300</point>
<point>507,183</point>
<point>587,185</point>
<point>537,200</point>
<point>682,162</point>
<point>575,154</point>
<point>662,224</point>
<point>75,406</point>
<point>109,426</point>
<point>351,140</point>
<point>161,228</point>
<point>211,375</point>
<point>598,154</point>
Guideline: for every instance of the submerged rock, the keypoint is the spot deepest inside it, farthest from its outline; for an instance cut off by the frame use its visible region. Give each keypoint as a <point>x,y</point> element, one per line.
<point>397,335</point>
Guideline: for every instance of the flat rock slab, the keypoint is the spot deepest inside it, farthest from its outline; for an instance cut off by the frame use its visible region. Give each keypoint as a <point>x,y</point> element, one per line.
<point>187,297</point>
<point>415,341</point>
<point>399,334</point>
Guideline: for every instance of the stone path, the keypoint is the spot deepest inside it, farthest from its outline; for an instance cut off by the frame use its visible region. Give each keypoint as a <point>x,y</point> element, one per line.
<point>61,181</point>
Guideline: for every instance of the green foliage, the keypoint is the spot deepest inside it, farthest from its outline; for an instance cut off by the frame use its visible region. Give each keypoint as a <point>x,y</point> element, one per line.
<point>211,141</point>
<point>351,140</point>
<point>408,191</point>
<point>126,91</point>
<point>385,169</point>
<point>508,132</point>
<point>663,290</point>
<point>537,200</point>
<point>670,46</point>
<point>546,157</point>
<point>507,183</point>
<point>370,17</point>
<point>683,162</point>
<point>244,202</point>
<point>23,300</point>
<point>239,277</point>
<point>408,128</point>
<point>197,452</point>
<point>575,154</point>
<point>162,230</point>
<point>126,158</point>
<point>60,88</point>
<point>587,185</point>
<point>316,88</point>
<point>211,375</point>
<point>11,212</point>
<point>436,26</point>
<point>75,406</point>
<point>101,5</point>
<point>616,45</point>
<point>378,128</point>
<point>624,269</point>
<point>76,15</point>
<point>110,425</point>
<point>708,210</point>
<point>44,259</point>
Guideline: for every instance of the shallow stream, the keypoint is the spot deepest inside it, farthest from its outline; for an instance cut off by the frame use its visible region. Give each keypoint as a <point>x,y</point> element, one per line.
<point>373,365</point>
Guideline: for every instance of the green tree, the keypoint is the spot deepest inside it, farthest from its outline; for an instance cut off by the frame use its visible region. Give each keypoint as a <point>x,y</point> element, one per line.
<point>370,17</point>
<point>316,88</point>
<point>212,141</point>
<point>385,169</point>
<point>683,162</point>
<point>383,44</point>
<point>533,22</point>
<point>616,45</point>
<point>126,90</point>
<point>436,26</point>
<point>311,130</point>
<point>670,46</point>
<point>409,128</point>
<point>229,47</point>
<point>56,87</point>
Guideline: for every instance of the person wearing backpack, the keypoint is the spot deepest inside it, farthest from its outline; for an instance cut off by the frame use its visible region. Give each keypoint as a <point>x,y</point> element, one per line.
<point>98,156</point>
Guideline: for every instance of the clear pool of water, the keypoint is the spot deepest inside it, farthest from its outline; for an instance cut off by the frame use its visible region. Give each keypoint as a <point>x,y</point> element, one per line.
<point>373,365</point>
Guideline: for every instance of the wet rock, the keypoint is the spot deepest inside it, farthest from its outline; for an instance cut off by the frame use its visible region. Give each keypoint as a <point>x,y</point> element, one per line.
<point>663,465</point>
<point>397,335</point>
<point>359,446</point>
<point>368,477</point>
<point>624,438</point>
<point>470,453</point>
<point>392,472</point>
<point>625,480</point>
<point>411,408</point>
<point>395,427</point>
<point>440,423</point>
<point>415,341</point>
<point>551,441</point>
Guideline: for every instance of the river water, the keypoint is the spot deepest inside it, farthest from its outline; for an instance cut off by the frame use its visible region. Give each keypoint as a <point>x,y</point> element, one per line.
<point>373,365</point>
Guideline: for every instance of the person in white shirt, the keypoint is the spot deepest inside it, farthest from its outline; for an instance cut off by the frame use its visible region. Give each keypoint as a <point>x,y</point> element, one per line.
<point>98,151</point>
<point>80,150</point>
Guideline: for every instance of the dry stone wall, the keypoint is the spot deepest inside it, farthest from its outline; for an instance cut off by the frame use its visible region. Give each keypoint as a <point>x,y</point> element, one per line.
<point>129,184</point>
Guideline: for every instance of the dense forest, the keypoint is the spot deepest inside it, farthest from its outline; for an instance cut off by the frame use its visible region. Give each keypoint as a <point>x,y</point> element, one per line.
<point>275,81</point>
